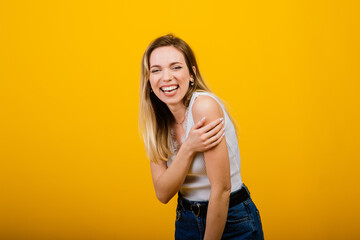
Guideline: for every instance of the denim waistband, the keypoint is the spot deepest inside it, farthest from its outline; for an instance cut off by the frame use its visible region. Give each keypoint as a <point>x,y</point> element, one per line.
<point>200,207</point>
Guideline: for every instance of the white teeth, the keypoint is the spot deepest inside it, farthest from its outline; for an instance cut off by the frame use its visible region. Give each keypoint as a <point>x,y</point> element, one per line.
<point>169,88</point>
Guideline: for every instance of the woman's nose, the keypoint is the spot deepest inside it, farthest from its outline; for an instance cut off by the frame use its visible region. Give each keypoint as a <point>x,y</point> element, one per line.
<point>167,74</point>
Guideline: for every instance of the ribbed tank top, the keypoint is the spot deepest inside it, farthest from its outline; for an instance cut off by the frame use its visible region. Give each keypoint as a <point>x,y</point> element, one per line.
<point>196,186</point>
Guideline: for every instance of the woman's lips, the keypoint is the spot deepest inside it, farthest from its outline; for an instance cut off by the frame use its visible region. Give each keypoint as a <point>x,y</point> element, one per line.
<point>169,89</point>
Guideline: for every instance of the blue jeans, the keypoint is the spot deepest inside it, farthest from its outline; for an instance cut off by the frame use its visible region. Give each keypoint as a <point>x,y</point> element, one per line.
<point>243,221</point>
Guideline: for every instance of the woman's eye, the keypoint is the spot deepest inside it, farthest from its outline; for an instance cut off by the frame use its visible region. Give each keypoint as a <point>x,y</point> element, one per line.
<point>177,67</point>
<point>155,70</point>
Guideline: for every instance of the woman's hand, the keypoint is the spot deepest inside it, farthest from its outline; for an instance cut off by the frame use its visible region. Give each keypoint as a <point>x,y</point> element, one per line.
<point>202,138</point>
<point>168,180</point>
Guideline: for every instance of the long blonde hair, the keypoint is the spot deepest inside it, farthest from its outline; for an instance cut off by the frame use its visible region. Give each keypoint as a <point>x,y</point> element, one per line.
<point>155,117</point>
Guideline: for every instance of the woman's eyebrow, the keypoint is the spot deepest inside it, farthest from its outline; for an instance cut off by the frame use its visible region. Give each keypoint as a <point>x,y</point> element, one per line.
<point>155,66</point>
<point>173,63</point>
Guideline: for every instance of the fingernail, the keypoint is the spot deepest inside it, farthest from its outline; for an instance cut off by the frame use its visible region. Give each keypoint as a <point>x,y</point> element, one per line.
<point>223,134</point>
<point>203,119</point>
<point>224,128</point>
<point>221,119</point>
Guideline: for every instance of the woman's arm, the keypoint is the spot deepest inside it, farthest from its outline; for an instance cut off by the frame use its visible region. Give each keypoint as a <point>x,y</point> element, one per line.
<point>218,171</point>
<point>168,180</point>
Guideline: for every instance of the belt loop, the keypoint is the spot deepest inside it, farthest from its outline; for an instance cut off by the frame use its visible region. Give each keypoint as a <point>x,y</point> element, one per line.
<point>181,201</point>
<point>246,189</point>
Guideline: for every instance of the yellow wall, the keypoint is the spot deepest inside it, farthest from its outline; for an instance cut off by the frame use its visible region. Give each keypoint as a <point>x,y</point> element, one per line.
<point>72,165</point>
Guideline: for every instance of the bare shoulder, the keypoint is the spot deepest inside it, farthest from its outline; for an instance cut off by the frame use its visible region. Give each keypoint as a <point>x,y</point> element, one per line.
<point>206,106</point>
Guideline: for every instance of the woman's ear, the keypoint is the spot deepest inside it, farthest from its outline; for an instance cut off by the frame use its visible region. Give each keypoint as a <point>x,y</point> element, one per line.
<point>194,70</point>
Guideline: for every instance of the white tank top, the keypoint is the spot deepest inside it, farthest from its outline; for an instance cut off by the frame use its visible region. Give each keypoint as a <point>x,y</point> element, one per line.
<point>196,186</point>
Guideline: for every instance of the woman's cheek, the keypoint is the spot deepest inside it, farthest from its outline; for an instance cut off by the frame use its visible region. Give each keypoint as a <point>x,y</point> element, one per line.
<point>152,82</point>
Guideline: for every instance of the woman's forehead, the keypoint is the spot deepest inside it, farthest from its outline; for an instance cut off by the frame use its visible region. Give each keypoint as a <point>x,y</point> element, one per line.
<point>165,56</point>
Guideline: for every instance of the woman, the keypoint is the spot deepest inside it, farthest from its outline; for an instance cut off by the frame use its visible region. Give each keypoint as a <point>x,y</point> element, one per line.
<point>196,161</point>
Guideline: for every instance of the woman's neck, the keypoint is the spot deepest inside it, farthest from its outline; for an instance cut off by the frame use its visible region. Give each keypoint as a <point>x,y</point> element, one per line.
<point>178,112</point>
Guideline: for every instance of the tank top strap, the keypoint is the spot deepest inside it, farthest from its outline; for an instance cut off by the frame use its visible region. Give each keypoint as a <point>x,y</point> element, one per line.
<point>195,94</point>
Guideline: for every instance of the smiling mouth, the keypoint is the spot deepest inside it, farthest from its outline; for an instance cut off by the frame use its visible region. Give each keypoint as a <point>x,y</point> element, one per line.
<point>169,89</point>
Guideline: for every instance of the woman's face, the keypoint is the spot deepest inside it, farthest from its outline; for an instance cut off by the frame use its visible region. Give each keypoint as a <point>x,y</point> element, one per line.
<point>169,75</point>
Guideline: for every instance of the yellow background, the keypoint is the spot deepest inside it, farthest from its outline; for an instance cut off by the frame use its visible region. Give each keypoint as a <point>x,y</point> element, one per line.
<point>72,165</point>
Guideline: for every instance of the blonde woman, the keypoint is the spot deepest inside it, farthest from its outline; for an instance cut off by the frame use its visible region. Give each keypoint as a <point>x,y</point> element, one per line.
<point>191,142</point>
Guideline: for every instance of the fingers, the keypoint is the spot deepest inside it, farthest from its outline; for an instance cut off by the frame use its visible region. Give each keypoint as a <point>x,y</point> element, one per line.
<point>216,135</point>
<point>212,124</point>
<point>200,123</point>
<point>214,131</point>
<point>215,140</point>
